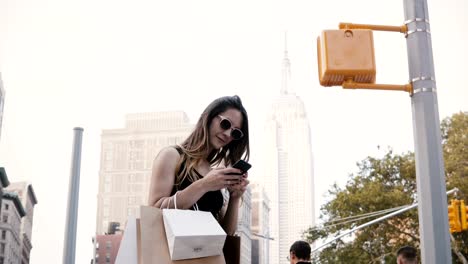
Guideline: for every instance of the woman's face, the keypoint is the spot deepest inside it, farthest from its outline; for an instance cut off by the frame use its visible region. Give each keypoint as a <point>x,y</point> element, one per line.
<point>219,136</point>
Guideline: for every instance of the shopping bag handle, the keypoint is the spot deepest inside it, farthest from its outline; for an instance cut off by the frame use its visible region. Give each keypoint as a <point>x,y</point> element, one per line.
<point>195,205</point>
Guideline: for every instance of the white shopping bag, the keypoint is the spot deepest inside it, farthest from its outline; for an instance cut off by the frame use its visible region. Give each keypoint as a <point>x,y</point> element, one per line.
<point>192,234</point>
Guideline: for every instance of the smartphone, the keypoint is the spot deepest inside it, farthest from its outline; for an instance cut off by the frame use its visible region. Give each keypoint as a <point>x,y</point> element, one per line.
<point>241,165</point>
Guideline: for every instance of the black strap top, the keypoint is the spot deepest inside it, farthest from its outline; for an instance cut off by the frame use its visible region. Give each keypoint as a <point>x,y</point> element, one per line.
<point>211,201</point>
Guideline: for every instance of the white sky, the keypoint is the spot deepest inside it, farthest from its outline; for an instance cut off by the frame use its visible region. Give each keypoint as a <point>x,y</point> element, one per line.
<point>87,63</point>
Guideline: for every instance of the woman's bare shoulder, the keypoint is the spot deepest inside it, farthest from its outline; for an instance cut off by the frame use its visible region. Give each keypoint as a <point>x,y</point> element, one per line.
<point>167,154</point>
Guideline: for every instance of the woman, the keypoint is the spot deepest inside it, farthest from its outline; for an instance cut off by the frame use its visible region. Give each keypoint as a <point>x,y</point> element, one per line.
<point>199,168</point>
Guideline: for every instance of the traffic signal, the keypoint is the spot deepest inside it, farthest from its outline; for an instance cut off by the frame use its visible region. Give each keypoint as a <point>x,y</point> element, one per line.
<point>454,216</point>
<point>463,215</point>
<point>346,54</point>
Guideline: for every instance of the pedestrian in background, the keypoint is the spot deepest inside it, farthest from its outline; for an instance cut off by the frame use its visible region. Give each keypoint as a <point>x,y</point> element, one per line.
<point>407,255</point>
<point>299,253</point>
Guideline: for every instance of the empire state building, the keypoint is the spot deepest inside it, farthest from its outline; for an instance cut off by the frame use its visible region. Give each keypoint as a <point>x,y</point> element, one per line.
<point>288,177</point>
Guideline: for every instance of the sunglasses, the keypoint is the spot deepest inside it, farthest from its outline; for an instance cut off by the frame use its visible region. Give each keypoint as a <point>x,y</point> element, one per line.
<point>226,124</point>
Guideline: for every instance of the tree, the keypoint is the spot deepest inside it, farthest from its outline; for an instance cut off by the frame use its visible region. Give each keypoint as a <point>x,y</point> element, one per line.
<point>380,184</point>
<point>455,147</point>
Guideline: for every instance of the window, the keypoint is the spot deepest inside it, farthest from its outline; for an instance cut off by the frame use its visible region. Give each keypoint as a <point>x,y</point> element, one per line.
<point>107,258</point>
<point>5,219</point>
<point>7,206</point>
<point>2,248</point>
<point>3,234</point>
<point>1,260</point>
<point>108,244</point>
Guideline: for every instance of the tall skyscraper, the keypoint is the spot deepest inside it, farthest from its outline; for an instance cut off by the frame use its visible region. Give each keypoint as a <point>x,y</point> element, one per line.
<point>288,176</point>
<point>126,159</point>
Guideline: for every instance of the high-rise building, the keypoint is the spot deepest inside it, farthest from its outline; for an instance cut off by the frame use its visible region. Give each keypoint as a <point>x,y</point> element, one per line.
<point>28,199</point>
<point>288,176</point>
<point>127,156</point>
<point>2,102</point>
<point>260,225</point>
<point>10,228</point>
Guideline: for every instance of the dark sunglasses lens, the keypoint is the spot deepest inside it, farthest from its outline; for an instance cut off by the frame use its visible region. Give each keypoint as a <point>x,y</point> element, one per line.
<point>236,134</point>
<point>225,124</point>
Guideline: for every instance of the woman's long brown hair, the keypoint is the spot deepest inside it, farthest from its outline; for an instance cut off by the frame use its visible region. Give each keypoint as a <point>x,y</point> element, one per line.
<point>197,146</point>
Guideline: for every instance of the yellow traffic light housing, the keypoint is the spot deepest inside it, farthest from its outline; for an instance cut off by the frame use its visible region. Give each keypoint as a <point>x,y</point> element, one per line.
<point>463,215</point>
<point>454,216</point>
<point>346,55</point>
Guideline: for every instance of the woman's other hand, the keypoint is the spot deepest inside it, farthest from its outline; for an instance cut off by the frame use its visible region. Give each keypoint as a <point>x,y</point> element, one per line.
<point>237,190</point>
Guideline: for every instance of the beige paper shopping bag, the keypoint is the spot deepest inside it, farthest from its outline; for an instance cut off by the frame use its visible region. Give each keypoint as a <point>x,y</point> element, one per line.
<point>152,241</point>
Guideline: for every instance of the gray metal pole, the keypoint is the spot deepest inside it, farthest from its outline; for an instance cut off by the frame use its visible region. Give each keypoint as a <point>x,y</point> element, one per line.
<point>73,195</point>
<point>432,209</point>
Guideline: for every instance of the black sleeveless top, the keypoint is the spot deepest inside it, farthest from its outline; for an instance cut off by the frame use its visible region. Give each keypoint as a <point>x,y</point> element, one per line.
<point>211,201</point>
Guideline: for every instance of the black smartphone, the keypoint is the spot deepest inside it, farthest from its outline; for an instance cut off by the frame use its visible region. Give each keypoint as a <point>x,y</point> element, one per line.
<point>241,165</point>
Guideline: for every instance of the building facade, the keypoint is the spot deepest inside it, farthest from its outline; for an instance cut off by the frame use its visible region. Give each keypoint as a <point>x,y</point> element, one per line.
<point>10,228</point>
<point>289,185</point>
<point>106,248</point>
<point>260,225</point>
<point>28,199</point>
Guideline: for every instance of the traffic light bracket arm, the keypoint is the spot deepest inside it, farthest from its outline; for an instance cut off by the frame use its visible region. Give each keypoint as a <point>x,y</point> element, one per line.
<point>350,84</point>
<point>402,29</point>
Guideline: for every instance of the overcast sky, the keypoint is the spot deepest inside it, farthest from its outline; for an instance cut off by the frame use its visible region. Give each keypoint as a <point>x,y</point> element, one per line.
<point>87,63</point>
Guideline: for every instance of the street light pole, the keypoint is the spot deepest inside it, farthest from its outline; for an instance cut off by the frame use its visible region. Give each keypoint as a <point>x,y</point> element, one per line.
<point>432,209</point>
<point>73,195</point>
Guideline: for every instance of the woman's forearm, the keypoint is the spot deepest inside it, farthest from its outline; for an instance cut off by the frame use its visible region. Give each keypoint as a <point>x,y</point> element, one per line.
<point>229,222</point>
<point>185,198</point>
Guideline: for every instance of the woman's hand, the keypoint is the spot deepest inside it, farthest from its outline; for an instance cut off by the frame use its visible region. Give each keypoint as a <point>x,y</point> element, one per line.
<point>237,190</point>
<point>220,178</point>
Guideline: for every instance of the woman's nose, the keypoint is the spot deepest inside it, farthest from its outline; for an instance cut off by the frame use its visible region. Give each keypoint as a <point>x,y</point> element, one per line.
<point>227,132</point>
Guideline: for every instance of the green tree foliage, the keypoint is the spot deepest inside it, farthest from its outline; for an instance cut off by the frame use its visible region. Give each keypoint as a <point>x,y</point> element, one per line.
<point>381,184</point>
<point>455,147</point>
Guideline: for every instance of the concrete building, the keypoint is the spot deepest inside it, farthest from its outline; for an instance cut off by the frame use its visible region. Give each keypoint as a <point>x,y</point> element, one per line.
<point>127,156</point>
<point>10,228</point>
<point>28,199</point>
<point>106,248</point>
<point>260,225</point>
<point>288,176</point>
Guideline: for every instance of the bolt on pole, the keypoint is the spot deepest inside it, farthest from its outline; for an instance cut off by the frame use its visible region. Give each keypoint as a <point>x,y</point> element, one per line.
<point>430,176</point>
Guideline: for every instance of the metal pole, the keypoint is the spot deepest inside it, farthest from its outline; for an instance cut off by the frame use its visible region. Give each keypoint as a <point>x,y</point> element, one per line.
<point>409,207</point>
<point>73,195</point>
<point>432,209</point>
